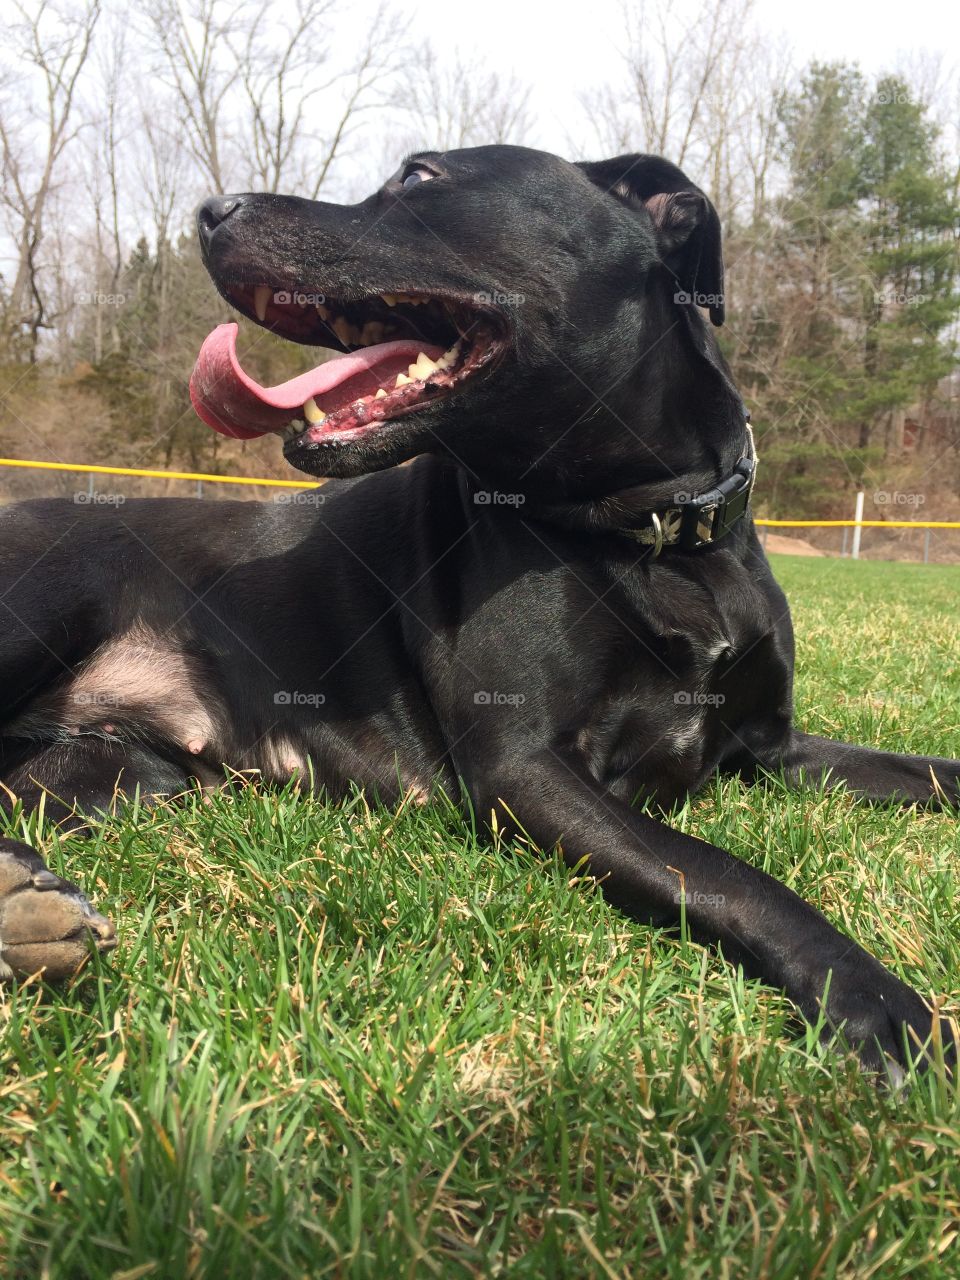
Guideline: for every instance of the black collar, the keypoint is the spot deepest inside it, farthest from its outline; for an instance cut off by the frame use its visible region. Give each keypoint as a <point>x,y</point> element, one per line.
<point>692,521</point>
<point>699,519</point>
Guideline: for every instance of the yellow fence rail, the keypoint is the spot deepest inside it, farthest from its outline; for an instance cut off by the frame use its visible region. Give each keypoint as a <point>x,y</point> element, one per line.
<point>859,524</point>
<point>157,475</point>
<point>307,484</point>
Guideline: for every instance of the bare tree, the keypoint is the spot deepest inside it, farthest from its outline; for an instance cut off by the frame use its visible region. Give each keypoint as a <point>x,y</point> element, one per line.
<point>57,44</point>
<point>458,105</point>
<point>189,43</point>
<point>104,161</point>
<point>281,66</point>
<point>252,83</point>
<point>698,89</point>
<point>673,63</point>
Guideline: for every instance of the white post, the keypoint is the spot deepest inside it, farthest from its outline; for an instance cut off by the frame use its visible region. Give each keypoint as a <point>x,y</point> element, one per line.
<point>858,516</point>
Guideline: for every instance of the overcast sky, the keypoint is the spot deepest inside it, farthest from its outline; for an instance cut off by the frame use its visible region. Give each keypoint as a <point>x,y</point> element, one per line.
<point>564,50</point>
<point>561,49</point>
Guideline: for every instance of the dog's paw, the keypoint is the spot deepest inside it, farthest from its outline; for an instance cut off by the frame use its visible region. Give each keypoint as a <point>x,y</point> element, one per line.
<point>46,924</point>
<point>888,1023</point>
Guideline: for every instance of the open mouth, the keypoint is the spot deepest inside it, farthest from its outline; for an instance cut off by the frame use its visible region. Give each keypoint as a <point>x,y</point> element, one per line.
<point>401,352</point>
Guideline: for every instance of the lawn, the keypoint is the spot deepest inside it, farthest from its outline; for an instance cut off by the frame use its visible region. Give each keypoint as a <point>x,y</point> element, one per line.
<point>351,1042</point>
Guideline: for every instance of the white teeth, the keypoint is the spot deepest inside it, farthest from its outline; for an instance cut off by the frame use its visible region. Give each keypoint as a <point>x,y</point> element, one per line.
<point>423,367</point>
<point>449,357</point>
<point>261,296</point>
<point>381,394</point>
<point>312,412</point>
<point>402,379</point>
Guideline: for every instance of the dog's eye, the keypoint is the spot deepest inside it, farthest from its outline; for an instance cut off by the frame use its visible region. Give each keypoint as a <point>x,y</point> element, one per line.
<point>413,176</point>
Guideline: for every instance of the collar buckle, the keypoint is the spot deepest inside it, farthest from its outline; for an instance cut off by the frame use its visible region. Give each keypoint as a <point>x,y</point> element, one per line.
<point>701,521</point>
<point>707,518</point>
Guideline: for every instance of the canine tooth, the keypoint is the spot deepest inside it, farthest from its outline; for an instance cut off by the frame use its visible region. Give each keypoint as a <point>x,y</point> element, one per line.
<point>402,379</point>
<point>381,394</point>
<point>312,412</point>
<point>261,296</point>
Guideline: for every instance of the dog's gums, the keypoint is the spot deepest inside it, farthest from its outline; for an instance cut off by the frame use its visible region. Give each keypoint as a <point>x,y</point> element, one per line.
<point>402,352</point>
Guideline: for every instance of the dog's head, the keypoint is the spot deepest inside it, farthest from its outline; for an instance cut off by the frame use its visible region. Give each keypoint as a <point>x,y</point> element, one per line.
<point>519,312</point>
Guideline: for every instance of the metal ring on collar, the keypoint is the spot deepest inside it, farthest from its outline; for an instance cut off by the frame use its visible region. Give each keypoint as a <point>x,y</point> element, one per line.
<point>657,535</point>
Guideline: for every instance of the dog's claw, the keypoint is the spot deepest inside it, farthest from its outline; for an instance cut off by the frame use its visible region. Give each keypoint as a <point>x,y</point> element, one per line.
<point>46,924</point>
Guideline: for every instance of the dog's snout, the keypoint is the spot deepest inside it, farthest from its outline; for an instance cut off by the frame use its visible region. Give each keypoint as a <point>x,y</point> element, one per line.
<point>214,211</point>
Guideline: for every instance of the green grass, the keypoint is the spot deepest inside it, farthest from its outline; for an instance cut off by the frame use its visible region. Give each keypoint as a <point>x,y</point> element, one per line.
<point>348,1042</point>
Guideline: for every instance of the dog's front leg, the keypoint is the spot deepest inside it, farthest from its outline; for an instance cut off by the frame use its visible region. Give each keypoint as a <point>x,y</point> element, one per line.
<point>651,871</point>
<point>879,775</point>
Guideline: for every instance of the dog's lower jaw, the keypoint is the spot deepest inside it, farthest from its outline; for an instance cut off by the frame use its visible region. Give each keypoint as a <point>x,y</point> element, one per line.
<point>347,459</point>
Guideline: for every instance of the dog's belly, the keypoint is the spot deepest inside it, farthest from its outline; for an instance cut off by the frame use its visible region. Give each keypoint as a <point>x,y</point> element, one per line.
<point>143,686</point>
<point>138,682</point>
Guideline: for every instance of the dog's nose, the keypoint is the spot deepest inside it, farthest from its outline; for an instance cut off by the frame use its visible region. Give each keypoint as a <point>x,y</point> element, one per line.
<point>214,211</point>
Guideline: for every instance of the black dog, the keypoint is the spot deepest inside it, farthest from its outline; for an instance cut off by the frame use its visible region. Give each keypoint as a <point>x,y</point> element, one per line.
<point>560,607</point>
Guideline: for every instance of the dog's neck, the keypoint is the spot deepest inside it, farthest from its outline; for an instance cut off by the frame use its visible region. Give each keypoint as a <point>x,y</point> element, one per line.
<point>681,431</point>
<point>689,519</point>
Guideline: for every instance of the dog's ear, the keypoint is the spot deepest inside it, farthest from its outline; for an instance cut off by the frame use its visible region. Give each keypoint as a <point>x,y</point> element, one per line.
<point>685,222</point>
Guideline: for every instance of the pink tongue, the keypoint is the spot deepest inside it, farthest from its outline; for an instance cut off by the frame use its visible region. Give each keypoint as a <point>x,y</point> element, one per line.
<point>229,400</point>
